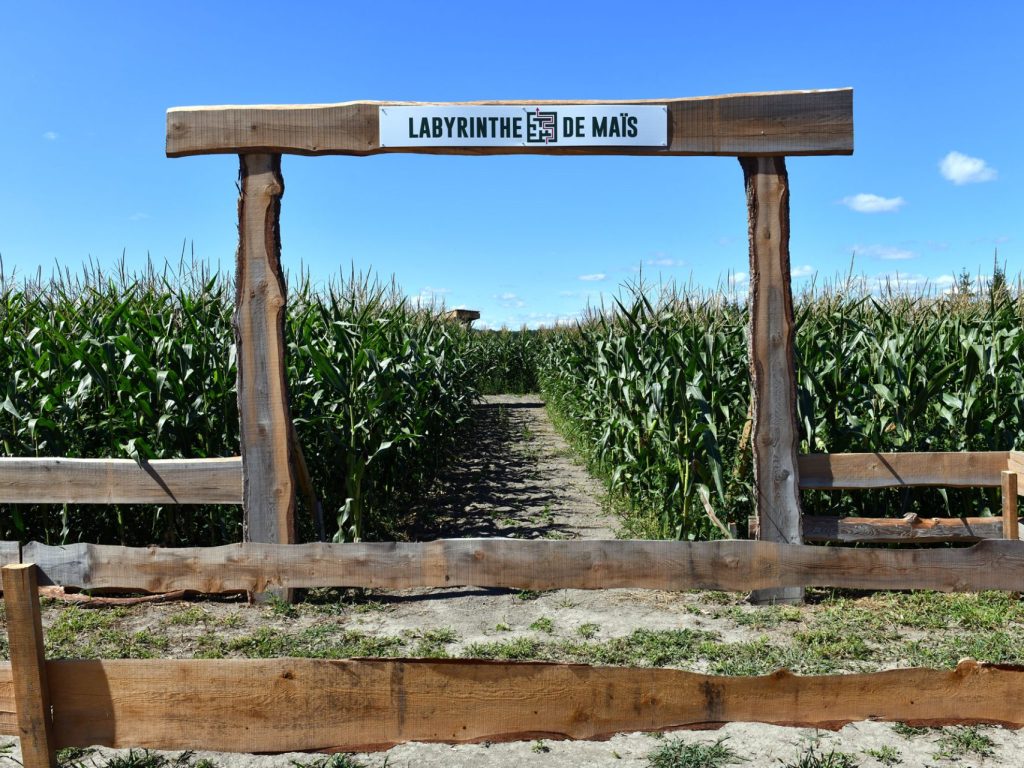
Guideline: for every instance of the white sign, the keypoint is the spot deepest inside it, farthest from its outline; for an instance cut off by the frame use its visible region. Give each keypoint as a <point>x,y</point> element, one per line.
<point>553,125</point>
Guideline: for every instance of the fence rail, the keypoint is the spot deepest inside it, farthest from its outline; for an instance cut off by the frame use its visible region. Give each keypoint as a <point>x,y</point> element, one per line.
<point>534,565</point>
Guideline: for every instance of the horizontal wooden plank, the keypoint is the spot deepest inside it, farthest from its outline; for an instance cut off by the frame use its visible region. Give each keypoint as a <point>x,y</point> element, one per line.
<point>533,564</point>
<point>908,529</point>
<point>281,705</point>
<point>8,713</point>
<point>842,471</point>
<point>1016,464</point>
<point>747,124</point>
<point>120,481</point>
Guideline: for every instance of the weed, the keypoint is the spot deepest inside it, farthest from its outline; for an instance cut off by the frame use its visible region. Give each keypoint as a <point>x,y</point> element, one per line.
<point>812,759</point>
<point>543,624</point>
<point>588,631</point>
<point>909,731</point>
<point>886,755</point>
<point>955,743</point>
<point>675,753</point>
<point>539,747</point>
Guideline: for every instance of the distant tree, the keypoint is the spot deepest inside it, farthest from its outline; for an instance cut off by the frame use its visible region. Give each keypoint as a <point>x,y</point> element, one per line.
<point>998,289</point>
<point>964,283</point>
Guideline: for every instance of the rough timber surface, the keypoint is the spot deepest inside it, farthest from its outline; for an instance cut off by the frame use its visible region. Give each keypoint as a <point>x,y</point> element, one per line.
<point>817,122</point>
<point>120,481</point>
<point>279,705</point>
<point>532,565</point>
<point>909,529</point>
<point>854,471</point>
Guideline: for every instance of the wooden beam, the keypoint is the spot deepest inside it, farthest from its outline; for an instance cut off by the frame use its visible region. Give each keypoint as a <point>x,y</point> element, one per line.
<point>8,708</point>
<point>842,471</point>
<point>774,435</point>
<point>910,529</point>
<point>746,124</point>
<point>120,481</point>
<point>535,565</point>
<point>1011,528</point>
<point>1016,464</point>
<point>268,482</point>
<point>28,666</point>
<point>284,705</point>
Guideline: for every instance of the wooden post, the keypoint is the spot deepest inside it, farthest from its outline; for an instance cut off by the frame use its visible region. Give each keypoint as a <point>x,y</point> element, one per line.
<point>268,483</point>
<point>1010,527</point>
<point>772,363</point>
<point>28,666</point>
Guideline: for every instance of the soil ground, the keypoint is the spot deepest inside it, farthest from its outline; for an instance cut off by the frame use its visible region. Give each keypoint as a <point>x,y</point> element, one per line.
<point>517,477</point>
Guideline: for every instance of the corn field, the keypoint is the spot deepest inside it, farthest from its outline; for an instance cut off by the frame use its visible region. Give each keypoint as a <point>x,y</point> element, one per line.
<point>144,367</point>
<point>656,394</point>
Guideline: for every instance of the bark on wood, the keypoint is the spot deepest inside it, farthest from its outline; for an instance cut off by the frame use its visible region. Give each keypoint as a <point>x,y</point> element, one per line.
<point>28,665</point>
<point>1011,529</point>
<point>910,529</point>
<point>268,485</point>
<point>280,705</point>
<point>8,710</point>
<point>772,362</point>
<point>535,565</point>
<point>838,471</point>
<point>753,124</point>
<point>120,481</point>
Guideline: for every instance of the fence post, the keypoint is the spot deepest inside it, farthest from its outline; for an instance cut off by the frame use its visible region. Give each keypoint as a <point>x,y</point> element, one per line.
<point>1010,527</point>
<point>28,666</point>
<point>772,363</point>
<point>268,483</point>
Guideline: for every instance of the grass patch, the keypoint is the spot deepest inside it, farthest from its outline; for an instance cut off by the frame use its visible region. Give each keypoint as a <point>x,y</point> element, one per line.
<point>833,759</point>
<point>886,755</point>
<point>957,743</point>
<point>909,731</point>
<point>588,631</point>
<point>92,634</point>
<point>543,624</point>
<point>678,754</point>
<point>339,760</point>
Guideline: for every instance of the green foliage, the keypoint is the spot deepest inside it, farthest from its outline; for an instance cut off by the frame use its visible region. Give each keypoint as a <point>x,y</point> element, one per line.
<point>655,393</point>
<point>676,753</point>
<point>144,367</point>
<point>506,361</point>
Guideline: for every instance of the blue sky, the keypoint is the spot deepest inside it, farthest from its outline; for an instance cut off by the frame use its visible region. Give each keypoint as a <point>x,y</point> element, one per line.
<point>526,240</point>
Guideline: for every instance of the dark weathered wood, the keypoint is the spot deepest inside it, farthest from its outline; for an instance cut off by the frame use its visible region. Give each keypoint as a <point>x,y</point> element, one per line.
<point>537,565</point>
<point>908,529</point>
<point>268,484</point>
<point>28,666</point>
<point>840,471</point>
<point>1011,528</point>
<point>282,705</point>
<point>774,436</point>
<point>747,124</point>
<point>120,481</point>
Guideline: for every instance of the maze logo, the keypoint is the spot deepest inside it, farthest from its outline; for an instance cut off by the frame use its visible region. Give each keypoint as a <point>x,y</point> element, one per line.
<point>541,127</point>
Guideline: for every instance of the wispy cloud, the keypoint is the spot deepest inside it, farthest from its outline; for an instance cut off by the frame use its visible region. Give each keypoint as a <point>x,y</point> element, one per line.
<point>664,261</point>
<point>868,203</point>
<point>430,296</point>
<point>805,271</point>
<point>593,278</point>
<point>911,281</point>
<point>964,169</point>
<point>138,216</point>
<point>886,252</point>
<point>50,136</point>
<point>509,299</point>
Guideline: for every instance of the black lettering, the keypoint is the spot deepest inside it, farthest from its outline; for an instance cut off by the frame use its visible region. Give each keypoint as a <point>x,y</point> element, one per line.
<point>506,127</point>
<point>494,126</point>
<point>600,127</point>
<point>462,127</point>
<point>567,126</point>
<point>438,126</point>
<point>411,134</point>
<point>481,128</point>
<point>517,127</point>
<point>424,128</point>
<point>613,129</point>
<point>580,130</point>
<point>449,124</point>
<point>631,127</point>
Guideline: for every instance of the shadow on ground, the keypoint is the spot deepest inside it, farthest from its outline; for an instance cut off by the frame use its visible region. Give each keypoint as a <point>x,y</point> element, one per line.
<point>496,486</point>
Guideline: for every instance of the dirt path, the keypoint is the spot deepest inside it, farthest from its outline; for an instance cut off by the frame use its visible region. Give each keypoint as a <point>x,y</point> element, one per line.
<point>517,477</point>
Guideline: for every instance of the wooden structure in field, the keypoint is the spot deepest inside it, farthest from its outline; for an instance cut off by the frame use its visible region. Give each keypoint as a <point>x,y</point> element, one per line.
<point>280,704</point>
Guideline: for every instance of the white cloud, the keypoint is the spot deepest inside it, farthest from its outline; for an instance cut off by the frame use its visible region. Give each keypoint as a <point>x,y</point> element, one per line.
<point>429,297</point>
<point>594,277</point>
<point>665,262</point>
<point>911,281</point>
<point>886,252</point>
<point>963,169</point>
<point>138,216</point>
<point>509,299</point>
<point>805,271</point>
<point>50,135</point>
<point>868,203</point>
